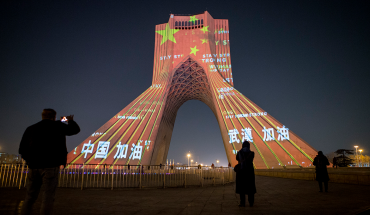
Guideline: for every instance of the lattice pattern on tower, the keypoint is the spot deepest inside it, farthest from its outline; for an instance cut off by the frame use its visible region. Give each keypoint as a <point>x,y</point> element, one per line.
<point>191,64</point>
<point>189,82</point>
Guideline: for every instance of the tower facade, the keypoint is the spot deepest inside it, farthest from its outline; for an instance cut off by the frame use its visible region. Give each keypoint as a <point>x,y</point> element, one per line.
<point>191,61</point>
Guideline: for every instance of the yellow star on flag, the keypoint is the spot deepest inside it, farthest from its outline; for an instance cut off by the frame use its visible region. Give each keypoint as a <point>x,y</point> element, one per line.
<point>204,40</point>
<point>194,50</point>
<point>204,29</point>
<point>168,34</point>
<point>193,19</point>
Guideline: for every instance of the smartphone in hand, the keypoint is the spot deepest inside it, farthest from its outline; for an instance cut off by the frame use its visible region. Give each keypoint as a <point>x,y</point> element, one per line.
<point>63,119</point>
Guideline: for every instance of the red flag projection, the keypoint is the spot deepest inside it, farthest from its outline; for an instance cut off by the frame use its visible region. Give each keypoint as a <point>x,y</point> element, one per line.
<point>191,61</point>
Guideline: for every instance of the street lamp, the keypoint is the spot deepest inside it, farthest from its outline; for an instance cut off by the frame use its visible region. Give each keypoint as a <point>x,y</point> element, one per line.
<point>217,161</point>
<point>188,158</point>
<point>360,155</point>
<point>191,164</point>
<point>356,155</point>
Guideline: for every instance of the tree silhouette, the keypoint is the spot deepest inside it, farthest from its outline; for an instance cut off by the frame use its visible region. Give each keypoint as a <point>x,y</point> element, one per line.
<point>342,159</point>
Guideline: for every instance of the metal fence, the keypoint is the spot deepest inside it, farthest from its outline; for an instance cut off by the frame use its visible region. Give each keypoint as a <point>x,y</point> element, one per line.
<point>123,176</point>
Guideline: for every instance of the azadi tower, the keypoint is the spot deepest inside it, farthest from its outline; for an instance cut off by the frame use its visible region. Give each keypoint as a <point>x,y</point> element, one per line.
<point>192,60</point>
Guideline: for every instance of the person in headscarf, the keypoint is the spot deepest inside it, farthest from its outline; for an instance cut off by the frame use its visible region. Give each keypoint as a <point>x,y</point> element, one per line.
<point>320,162</point>
<point>245,179</point>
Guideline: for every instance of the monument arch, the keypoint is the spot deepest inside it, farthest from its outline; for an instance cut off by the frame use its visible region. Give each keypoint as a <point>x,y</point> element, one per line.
<point>192,60</point>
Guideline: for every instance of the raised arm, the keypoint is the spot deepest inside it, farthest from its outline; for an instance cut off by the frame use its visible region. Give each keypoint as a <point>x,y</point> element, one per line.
<point>24,145</point>
<point>72,128</point>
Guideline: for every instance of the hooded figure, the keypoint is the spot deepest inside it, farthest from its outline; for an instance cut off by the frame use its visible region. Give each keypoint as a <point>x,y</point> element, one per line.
<point>320,162</point>
<point>245,180</point>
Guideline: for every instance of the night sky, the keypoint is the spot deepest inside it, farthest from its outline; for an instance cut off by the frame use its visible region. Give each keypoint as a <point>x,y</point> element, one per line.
<point>306,63</point>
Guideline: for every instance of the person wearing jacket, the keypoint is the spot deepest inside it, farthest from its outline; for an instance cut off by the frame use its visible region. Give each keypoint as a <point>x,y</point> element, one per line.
<point>43,147</point>
<point>245,179</point>
<point>320,162</point>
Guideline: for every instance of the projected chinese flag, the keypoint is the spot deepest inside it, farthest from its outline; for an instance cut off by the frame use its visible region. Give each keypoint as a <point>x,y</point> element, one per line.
<point>192,60</point>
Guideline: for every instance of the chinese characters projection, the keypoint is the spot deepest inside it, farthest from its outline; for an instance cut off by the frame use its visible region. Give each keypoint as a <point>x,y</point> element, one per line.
<point>192,60</point>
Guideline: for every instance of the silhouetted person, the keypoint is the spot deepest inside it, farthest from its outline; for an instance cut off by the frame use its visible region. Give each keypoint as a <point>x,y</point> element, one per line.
<point>320,162</point>
<point>212,166</point>
<point>245,180</point>
<point>335,162</point>
<point>43,147</point>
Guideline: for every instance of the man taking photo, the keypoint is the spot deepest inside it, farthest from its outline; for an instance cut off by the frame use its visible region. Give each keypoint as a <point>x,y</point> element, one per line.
<point>43,147</point>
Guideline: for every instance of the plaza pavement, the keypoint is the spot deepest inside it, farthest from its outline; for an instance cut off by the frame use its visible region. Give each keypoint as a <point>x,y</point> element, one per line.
<point>274,196</point>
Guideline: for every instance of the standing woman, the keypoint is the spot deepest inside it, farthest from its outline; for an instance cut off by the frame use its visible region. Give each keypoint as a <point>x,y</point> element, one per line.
<point>320,162</point>
<point>245,180</point>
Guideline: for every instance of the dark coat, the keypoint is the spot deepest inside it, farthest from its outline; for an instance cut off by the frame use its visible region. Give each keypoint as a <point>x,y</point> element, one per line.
<point>245,179</point>
<point>320,162</point>
<point>43,144</point>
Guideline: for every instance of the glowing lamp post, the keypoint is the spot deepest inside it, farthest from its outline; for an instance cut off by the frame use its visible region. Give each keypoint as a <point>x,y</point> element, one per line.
<point>356,155</point>
<point>191,162</point>
<point>188,158</point>
<point>217,161</point>
<point>360,156</point>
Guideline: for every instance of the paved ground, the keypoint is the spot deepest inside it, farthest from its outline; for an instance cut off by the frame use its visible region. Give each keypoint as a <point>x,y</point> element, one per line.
<point>274,196</point>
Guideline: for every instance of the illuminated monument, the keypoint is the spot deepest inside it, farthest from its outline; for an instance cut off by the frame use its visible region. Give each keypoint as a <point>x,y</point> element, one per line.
<point>191,61</point>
